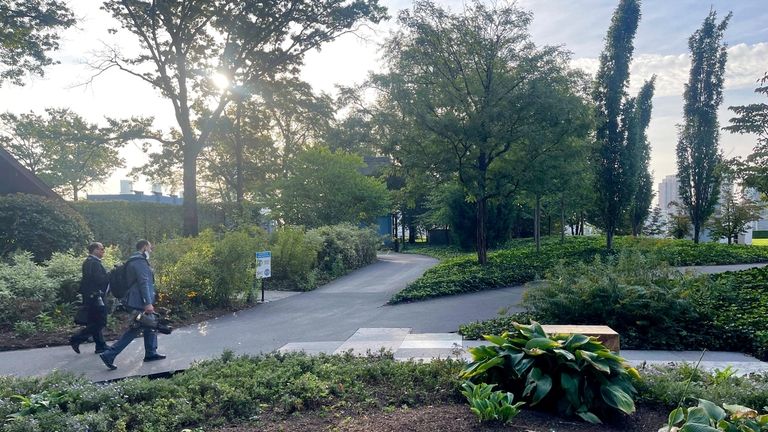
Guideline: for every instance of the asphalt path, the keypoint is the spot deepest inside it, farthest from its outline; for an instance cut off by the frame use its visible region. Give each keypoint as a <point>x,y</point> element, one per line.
<point>332,312</point>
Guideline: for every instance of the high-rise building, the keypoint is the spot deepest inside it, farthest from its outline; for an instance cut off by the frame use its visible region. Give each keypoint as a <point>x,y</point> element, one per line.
<point>669,191</point>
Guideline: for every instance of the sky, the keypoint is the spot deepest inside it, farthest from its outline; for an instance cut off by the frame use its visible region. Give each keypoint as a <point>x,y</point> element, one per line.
<point>661,48</point>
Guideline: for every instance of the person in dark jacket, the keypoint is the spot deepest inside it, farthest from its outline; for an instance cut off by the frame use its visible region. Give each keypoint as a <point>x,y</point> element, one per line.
<point>141,297</point>
<point>93,285</point>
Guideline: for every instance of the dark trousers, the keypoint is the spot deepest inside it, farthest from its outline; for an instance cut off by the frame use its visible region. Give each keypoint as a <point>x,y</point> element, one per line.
<point>150,340</point>
<point>97,320</point>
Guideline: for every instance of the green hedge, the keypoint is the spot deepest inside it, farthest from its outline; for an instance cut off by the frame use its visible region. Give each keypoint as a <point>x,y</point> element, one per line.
<point>40,225</point>
<point>123,223</point>
<point>519,262</point>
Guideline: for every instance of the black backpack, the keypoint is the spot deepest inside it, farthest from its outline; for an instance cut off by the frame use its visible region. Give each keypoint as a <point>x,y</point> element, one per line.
<point>120,280</point>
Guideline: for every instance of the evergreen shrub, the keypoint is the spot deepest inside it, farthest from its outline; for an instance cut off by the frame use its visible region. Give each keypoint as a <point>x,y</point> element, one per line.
<point>40,225</point>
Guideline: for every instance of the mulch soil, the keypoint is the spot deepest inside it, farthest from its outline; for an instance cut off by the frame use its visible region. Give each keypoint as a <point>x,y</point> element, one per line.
<point>449,417</point>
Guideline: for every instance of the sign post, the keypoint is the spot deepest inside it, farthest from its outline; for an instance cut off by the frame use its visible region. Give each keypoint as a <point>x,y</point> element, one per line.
<point>263,268</point>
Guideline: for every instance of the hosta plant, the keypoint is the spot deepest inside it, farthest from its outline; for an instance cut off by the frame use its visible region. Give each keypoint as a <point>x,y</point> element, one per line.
<point>568,373</point>
<point>708,417</point>
<point>490,405</point>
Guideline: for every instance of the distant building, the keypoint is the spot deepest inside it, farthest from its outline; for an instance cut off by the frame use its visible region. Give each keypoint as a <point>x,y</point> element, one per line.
<point>127,193</point>
<point>669,191</point>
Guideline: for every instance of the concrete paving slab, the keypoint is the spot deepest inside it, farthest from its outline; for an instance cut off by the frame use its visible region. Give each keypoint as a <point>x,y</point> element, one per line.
<point>431,340</point>
<point>373,340</point>
<point>311,347</point>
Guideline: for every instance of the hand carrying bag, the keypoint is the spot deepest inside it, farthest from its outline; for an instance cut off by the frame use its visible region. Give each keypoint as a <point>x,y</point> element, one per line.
<point>81,316</point>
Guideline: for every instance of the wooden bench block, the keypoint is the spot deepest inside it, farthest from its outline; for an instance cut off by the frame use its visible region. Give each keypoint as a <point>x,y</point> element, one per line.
<point>604,334</point>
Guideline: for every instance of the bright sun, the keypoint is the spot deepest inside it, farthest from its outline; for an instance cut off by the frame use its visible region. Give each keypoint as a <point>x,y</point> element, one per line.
<point>220,80</point>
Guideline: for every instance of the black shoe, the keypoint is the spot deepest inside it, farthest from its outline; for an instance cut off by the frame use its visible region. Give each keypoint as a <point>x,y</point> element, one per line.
<point>154,357</point>
<point>75,346</point>
<point>107,362</point>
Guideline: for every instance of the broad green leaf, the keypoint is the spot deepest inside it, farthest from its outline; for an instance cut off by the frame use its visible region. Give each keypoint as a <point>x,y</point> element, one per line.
<point>537,330</point>
<point>541,343</point>
<point>615,397</point>
<point>698,415</point>
<point>676,416</point>
<point>695,427</point>
<point>534,352</point>
<point>570,384</point>
<point>543,383</point>
<point>575,341</point>
<point>498,340</point>
<point>589,417</point>
<point>482,367</point>
<point>739,411</point>
<point>593,359</point>
<point>564,353</point>
<point>713,411</point>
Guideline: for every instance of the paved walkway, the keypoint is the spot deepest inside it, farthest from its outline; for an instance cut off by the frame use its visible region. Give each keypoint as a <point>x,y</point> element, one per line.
<point>327,317</point>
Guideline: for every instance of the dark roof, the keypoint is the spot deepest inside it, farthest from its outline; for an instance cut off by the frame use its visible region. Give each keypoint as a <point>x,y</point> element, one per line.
<point>14,177</point>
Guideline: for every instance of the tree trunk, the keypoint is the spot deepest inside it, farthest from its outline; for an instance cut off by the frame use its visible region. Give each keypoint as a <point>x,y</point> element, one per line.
<point>190,194</point>
<point>411,233</point>
<point>696,229</point>
<point>537,223</point>
<point>239,187</point>
<point>75,193</point>
<point>609,237</point>
<point>394,221</point>
<point>562,219</point>
<point>480,240</point>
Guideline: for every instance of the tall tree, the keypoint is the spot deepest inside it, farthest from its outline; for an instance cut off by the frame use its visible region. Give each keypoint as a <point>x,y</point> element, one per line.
<point>753,119</point>
<point>477,90</point>
<point>325,188</point>
<point>28,35</point>
<point>640,150</point>
<point>698,154</point>
<point>615,181</point>
<point>733,215</point>
<point>65,150</point>
<point>185,43</point>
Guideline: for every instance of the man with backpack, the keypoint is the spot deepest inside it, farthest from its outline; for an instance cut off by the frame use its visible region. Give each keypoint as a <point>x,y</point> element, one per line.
<point>92,288</point>
<point>140,298</point>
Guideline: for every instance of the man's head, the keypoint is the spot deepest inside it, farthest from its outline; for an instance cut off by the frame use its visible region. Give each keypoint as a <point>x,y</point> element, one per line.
<point>143,246</point>
<point>96,249</point>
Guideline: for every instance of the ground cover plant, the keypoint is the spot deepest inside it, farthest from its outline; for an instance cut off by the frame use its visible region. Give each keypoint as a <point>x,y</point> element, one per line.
<point>650,305</point>
<point>518,262</point>
<point>342,392</point>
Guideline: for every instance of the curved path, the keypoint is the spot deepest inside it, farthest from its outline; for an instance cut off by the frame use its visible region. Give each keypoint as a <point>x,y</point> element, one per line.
<point>333,312</point>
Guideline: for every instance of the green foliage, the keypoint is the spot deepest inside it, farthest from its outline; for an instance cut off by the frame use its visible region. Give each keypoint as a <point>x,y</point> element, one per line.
<point>25,289</point>
<point>30,33</point>
<point>207,270</point>
<point>122,223</point>
<point>572,374</point>
<point>22,216</point>
<point>707,416</point>
<point>294,256</point>
<point>24,329</point>
<point>698,154</point>
<point>645,301</point>
<point>230,389</point>
<point>518,262</point>
<point>489,405</point>
<point>325,188</point>
<point>344,248</point>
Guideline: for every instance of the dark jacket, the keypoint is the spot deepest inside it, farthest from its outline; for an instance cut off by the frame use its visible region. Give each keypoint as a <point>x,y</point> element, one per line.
<point>142,290</point>
<point>95,279</point>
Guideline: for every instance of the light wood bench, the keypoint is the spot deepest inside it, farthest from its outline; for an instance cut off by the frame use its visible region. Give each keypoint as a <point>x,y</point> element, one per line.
<point>605,334</point>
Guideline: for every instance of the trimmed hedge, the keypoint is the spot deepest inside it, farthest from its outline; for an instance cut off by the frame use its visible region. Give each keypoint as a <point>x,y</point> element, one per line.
<point>519,262</point>
<point>40,225</point>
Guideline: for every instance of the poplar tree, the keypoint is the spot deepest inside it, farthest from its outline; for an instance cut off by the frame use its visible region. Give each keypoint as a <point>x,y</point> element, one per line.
<point>641,154</point>
<point>698,155</point>
<point>613,166</point>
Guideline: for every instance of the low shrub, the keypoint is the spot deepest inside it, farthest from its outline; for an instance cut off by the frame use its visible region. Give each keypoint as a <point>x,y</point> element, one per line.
<point>23,216</point>
<point>25,289</point>
<point>294,256</point>
<point>490,405</point>
<point>518,262</point>
<point>344,248</point>
<point>707,416</point>
<point>569,374</point>
<point>226,390</point>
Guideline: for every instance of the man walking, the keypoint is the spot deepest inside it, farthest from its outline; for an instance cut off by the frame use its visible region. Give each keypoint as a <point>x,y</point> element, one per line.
<point>141,296</point>
<point>92,288</point>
